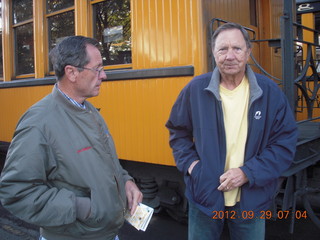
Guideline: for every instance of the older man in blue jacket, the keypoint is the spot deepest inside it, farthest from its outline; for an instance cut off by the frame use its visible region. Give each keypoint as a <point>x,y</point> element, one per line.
<point>232,133</point>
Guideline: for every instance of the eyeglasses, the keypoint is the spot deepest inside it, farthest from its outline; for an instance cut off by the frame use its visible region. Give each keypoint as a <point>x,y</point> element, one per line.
<point>99,69</point>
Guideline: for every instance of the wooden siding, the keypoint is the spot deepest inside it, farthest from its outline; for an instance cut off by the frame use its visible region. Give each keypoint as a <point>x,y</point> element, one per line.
<point>164,34</point>
<point>229,10</point>
<point>167,33</point>
<point>136,112</point>
<point>15,101</point>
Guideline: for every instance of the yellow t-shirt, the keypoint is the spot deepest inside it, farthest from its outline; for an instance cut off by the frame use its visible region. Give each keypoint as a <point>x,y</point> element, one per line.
<point>235,114</point>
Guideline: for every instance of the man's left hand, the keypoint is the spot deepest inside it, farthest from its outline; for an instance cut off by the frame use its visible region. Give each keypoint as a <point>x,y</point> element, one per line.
<point>134,196</point>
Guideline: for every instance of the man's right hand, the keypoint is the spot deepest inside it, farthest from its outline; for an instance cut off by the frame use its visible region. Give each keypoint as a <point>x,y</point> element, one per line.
<point>192,166</point>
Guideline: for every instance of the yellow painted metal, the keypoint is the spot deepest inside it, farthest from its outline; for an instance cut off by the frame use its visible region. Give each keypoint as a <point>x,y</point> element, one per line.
<point>7,38</point>
<point>14,102</point>
<point>82,22</point>
<point>119,66</point>
<point>270,13</point>
<point>164,34</point>
<point>167,33</point>
<point>229,10</point>
<point>308,19</point>
<point>40,39</point>
<point>136,112</point>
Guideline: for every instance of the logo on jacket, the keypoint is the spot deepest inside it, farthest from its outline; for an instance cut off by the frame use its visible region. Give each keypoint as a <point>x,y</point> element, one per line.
<point>257,115</point>
<point>83,149</point>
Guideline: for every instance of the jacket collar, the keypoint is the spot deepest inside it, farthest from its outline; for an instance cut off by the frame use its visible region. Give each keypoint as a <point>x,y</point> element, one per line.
<point>255,90</point>
<point>64,102</point>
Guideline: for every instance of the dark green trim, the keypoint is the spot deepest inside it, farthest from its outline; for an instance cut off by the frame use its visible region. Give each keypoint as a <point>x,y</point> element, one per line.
<point>114,75</point>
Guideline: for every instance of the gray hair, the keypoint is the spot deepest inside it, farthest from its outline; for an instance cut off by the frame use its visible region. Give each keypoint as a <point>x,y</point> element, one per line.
<point>71,51</point>
<point>230,26</point>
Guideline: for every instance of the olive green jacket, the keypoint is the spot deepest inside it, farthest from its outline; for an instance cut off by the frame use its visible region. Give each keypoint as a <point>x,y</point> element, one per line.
<point>62,172</point>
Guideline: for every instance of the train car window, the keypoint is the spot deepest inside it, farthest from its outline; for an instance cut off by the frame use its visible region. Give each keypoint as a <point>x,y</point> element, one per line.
<point>1,61</point>
<point>22,12</point>
<point>53,6</point>
<point>112,27</point>
<point>60,26</point>
<point>25,52</point>
<point>61,23</point>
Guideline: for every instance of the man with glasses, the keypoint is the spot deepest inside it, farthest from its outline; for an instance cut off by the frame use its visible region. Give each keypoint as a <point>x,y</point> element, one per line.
<point>62,172</point>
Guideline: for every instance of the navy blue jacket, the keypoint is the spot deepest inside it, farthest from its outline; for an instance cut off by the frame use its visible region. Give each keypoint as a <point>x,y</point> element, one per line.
<point>197,133</point>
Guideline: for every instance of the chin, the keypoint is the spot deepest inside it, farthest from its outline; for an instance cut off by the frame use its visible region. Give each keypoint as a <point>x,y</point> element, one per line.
<point>94,94</point>
<point>231,72</point>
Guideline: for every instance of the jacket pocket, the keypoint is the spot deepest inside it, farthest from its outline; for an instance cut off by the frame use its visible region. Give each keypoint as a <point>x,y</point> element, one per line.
<point>107,206</point>
<point>203,186</point>
<point>195,182</point>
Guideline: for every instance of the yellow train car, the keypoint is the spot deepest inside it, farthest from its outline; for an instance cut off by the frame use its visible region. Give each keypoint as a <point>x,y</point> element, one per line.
<point>151,49</point>
<point>166,45</point>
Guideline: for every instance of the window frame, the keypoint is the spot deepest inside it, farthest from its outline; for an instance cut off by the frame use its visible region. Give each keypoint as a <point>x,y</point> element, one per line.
<point>46,31</point>
<point>14,44</point>
<point>1,61</point>
<point>83,21</point>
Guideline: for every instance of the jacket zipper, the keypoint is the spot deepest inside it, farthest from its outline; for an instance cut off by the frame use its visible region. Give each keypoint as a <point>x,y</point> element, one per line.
<point>107,148</point>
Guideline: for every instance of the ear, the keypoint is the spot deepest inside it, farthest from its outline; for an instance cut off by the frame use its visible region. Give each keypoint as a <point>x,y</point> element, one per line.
<point>71,73</point>
<point>249,52</point>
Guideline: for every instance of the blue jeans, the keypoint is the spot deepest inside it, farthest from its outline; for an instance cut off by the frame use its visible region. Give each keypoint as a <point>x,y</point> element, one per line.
<point>204,227</point>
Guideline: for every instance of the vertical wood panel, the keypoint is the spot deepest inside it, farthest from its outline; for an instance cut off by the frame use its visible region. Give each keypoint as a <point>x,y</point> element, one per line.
<point>136,112</point>
<point>40,38</point>
<point>17,100</point>
<point>166,33</point>
<point>82,22</point>
<point>7,38</point>
<point>229,10</point>
<point>275,14</point>
<point>166,14</point>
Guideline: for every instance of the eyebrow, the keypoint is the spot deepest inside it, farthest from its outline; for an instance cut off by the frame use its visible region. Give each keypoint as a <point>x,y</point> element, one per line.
<point>98,65</point>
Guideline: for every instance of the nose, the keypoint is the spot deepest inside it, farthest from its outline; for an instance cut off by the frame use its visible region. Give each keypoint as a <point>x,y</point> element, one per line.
<point>102,75</point>
<point>230,54</point>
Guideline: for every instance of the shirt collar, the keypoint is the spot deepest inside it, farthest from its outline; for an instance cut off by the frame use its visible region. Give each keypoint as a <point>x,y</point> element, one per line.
<point>74,102</point>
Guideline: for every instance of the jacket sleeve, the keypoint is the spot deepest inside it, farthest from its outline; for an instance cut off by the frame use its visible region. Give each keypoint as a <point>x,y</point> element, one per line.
<point>181,133</point>
<point>24,190</point>
<point>278,153</point>
<point>126,176</point>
